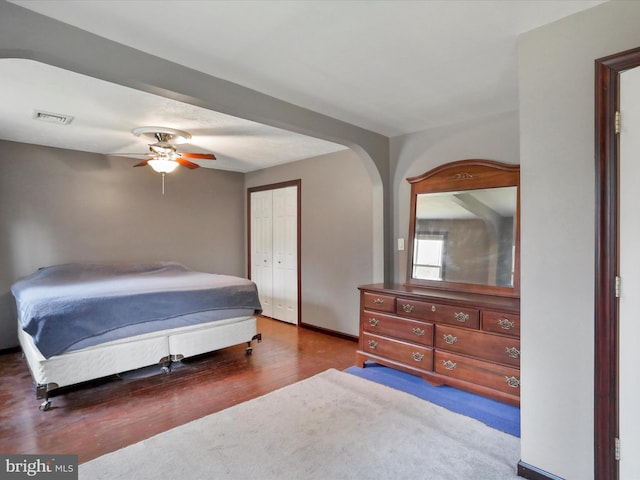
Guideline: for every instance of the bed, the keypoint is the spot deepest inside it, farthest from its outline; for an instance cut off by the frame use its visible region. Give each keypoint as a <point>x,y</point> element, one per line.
<point>79,322</point>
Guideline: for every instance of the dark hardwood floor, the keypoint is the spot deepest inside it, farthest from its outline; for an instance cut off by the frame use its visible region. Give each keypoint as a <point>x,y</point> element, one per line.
<point>96,418</point>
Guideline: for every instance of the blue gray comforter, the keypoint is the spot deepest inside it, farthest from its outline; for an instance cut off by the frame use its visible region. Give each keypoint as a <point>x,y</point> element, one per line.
<point>63,304</point>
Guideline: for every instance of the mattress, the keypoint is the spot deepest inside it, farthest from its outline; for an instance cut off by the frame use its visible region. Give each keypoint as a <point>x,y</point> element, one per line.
<point>74,306</point>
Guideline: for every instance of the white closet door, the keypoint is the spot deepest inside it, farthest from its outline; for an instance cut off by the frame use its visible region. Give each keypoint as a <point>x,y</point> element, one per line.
<point>274,251</point>
<point>262,248</point>
<point>629,389</point>
<point>285,256</point>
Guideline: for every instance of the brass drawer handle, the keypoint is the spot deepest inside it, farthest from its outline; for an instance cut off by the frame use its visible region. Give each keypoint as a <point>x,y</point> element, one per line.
<point>449,365</point>
<point>461,316</point>
<point>506,324</point>
<point>450,339</point>
<point>513,352</point>
<point>378,301</point>
<point>417,356</point>
<point>407,307</point>
<point>373,322</point>
<point>513,382</point>
<point>433,308</point>
<point>373,344</point>
<point>418,331</point>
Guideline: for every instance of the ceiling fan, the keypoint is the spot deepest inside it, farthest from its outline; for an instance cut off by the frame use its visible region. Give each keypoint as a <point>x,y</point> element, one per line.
<point>163,156</point>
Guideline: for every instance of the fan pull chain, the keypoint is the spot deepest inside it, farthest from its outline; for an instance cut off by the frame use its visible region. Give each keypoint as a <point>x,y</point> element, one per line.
<point>163,174</point>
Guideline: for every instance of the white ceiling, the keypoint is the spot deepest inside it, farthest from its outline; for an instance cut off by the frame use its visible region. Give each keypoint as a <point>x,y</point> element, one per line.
<point>105,113</point>
<point>393,67</point>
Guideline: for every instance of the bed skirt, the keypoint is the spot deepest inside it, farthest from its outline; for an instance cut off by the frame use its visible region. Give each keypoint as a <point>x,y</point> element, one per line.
<point>119,356</point>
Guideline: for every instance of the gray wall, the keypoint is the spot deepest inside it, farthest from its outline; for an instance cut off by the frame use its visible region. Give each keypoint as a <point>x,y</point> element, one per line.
<point>60,206</point>
<point>337,225</point>
<point>558,214</point>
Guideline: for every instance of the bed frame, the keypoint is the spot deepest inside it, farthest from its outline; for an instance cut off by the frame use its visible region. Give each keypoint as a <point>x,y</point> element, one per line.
<point>162,348</point>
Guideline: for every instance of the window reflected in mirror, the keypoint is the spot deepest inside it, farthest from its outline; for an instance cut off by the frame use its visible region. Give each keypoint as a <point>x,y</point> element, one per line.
<point>429,256</point>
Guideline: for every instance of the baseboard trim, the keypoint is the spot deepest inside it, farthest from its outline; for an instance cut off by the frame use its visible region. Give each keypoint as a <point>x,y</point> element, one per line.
<point>15,349</point>
<point>327,331</point>
<point>534,473</point>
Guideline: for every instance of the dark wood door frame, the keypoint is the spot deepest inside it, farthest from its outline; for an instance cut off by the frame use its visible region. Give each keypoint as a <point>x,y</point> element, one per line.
<point>606,415</point>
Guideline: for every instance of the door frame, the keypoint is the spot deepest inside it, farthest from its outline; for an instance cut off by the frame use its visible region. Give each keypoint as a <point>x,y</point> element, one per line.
<point>606,381</point>
<point>274,186</point>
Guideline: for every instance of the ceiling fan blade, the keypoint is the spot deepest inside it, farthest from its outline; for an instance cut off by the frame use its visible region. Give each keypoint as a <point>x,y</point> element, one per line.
<point>143,163</point>
<point>200,156</point>
<point>187,163</point>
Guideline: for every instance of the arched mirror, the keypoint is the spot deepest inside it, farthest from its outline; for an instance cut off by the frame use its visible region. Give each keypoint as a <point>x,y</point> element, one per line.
<point>464,228</point>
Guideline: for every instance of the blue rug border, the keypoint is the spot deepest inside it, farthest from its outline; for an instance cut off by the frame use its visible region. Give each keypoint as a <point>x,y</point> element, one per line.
<point>498,415</point>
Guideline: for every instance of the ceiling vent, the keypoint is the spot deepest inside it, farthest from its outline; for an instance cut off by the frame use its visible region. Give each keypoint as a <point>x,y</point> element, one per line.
<point>52,117</point>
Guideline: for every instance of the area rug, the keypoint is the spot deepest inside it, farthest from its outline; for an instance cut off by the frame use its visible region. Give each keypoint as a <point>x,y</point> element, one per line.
<point>505,418</point>
<point>331,426</point>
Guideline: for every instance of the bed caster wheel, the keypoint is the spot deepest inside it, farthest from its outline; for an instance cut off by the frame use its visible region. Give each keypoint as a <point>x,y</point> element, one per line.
<point>249,350</point>
<point>44,406</point>
<point>166,370</point>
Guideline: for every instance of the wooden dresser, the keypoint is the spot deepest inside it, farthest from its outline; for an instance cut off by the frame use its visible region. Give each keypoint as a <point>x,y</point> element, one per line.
<point>469,341</point>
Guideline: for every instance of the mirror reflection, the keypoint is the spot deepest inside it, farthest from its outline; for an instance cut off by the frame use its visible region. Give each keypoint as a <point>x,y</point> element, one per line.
<point>466,236</point>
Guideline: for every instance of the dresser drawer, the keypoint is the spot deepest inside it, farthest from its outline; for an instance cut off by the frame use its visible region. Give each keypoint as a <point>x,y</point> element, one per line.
<point>433,312</point>
<point>382,303</point>
<point>486,346</point>
<point>402,328</point>
<point>409,354</point>
<point>463,317</point>
<point>505,323</point>
<point>497,377</point>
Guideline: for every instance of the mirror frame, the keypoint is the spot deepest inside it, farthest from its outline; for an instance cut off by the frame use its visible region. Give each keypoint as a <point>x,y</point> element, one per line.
<point>471,174</point>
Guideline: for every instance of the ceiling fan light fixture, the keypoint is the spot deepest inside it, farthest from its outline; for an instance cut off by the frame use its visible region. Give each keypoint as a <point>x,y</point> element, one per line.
<point>161,165</point>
